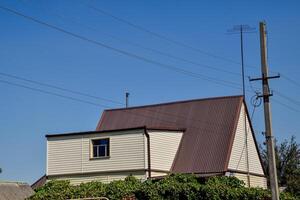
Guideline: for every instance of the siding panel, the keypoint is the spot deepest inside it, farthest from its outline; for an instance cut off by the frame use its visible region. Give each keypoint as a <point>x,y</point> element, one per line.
<point>163,148</point>
<point>238,154</point>
<point>126,152</point>
<point>71,154</point>
<point>102,177</point>
<point>64,155</point>
<point>255,181</point>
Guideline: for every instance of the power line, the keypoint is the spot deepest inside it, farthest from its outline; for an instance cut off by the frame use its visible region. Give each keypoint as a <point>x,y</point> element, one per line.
<point>64,96</point>
<point>290,80</point>
<point>159,52</point>
<point>288,98</point>
<point>82,94</point>
<point>60,88</point>
<point>105,106</point>
<point>170,67</point>
<point>123,52</point>
<point>287,106</point>
<point>53,93</point>
<point>178,43</point>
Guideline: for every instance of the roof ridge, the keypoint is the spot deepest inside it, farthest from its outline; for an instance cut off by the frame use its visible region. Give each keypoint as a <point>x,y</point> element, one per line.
<point>176,102</point>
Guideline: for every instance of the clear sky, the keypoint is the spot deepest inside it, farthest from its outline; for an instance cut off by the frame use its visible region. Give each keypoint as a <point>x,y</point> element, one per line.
<point>39,53</point>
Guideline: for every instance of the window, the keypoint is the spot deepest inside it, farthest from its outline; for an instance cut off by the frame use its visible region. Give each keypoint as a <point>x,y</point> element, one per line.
<point>100,148</point>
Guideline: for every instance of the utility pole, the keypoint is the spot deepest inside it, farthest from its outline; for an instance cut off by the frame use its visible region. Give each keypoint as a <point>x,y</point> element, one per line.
<point>241,29</point>
<point>267,112</point>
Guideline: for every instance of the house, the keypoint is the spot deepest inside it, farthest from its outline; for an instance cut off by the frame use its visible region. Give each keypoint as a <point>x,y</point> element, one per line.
<point>15,191</point>
<point>205,137</point>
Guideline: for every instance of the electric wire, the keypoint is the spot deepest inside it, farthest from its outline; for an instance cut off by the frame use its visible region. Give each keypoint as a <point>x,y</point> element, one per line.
<point>60,88</point>
<point>288,98</point>
<point>153,50</point>
<point>90,96</point>
<point>286,105</point>
<point>160,36</point>
<point>123,52</point>
<point>52,93</point>
<point>179,70</point>
<point>290,80</point>
<point>128,111</point>
<point>141,58</point>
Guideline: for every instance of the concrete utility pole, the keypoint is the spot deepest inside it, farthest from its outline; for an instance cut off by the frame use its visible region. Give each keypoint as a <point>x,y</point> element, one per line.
<point>267,111</point>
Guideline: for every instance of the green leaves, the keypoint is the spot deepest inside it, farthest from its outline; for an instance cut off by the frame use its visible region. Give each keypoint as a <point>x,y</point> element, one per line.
<point>287,163</point>
<point>172,187</point>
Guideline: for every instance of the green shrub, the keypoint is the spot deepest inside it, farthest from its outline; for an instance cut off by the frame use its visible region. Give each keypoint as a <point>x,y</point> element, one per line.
<point>172,187</point>
<point>226,181</point>
<point>59,190</point>
<point>90,189</point>
<point>118,189</point>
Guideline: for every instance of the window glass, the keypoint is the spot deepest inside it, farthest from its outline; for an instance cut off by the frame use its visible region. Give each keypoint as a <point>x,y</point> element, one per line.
<point>100,148</point>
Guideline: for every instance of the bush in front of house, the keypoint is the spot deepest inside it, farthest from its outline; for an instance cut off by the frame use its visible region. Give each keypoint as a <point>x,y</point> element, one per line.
<point>59,190</point>
<point>172,187</point>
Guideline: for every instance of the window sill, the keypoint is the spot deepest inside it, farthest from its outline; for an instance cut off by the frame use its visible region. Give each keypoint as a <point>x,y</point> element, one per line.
<point>100,158</point>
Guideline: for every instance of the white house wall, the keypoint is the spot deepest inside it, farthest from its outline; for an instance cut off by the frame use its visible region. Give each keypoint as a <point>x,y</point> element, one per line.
<point>163,148</point>
<point>71,154</point>
<point>64,155</point>
<point>238,154</point>
<point>126,152</point>
<point>238,158</point>
<point>255,181</point>
<point>103,177</point>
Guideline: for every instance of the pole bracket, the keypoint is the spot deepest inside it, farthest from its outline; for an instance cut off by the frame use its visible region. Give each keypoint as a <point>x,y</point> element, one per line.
<point>265,95</point>
<point>264,78</point>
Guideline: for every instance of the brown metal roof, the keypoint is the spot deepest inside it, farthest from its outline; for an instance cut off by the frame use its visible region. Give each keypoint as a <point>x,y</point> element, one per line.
<point>209,126</point>
<point>40,182</point>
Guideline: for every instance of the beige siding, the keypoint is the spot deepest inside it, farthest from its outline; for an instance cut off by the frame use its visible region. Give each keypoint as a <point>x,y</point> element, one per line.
<point>64,155</point>
<point>126,152</point>
<point>71,154</point>
<point>255,181</point>
<point>157,174</point>
<point>102,177</point>
<point>238,158</point>
<point>163,148</point>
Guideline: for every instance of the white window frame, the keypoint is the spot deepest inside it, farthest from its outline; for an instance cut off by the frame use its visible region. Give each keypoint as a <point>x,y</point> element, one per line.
<point>107,149</point>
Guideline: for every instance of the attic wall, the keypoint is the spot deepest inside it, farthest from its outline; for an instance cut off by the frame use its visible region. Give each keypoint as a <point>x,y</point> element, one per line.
<point>238,154</point>
<point>163,148</point>
<point>72,154</point>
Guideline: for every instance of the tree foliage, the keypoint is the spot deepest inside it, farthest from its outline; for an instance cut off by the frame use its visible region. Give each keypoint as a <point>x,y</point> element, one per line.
<point>287,163</point>
<point>172,187</point>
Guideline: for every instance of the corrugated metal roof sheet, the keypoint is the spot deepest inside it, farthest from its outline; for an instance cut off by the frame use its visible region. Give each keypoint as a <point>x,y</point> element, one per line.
<point>210,126</point>
<point>15,191</point>
<point>39,183</point>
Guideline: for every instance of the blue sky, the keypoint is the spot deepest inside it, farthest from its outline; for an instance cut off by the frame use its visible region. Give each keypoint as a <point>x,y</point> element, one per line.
<point>36,52</point>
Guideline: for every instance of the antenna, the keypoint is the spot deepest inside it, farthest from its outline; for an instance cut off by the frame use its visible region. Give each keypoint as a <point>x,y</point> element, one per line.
<point>240,29</point>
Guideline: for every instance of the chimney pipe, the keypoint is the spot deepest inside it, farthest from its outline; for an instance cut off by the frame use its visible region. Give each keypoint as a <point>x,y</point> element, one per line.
<point>127,99</point>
